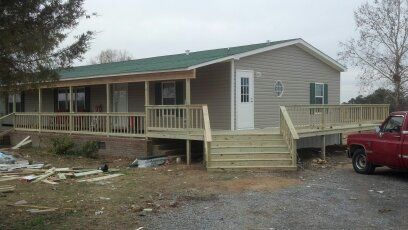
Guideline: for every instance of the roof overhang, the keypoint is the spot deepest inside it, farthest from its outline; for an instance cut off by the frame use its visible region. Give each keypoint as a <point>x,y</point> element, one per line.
<point>298,42</point>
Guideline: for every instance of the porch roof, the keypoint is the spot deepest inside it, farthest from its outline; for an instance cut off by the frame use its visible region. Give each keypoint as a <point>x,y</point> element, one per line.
<point>176,62</point>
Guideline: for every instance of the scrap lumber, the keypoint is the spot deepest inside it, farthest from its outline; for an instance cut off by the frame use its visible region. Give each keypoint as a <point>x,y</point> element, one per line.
<point>62,176</point>
<point>35,210</point>
<point>45,175</point>
<point>7,188</point>
<point>87,173</point>
<point>21,143</point>
<point>101,178</point>
<point>9,178</point>
<point>49,182</point>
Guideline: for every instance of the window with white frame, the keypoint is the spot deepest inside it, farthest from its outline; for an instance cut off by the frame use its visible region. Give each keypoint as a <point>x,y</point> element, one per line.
<point>319,93</point>
<point>169,93</point>
<point>64,100</point>
<point>19,106</point>
<point>279,88</point>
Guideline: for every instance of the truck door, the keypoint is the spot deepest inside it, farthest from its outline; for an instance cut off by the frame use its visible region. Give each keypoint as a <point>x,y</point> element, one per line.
<point>404,149</point>
<point>387,146</point>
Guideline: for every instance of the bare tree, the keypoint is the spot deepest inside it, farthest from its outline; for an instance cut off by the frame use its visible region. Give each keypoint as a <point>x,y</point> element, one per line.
<point>380,50</point>
<point>109,55</point>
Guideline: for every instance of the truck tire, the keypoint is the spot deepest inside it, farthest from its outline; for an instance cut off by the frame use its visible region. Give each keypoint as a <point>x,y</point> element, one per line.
<point>360,163</point>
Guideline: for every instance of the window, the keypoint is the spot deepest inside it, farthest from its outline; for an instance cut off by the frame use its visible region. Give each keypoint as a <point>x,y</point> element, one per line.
<point>19,104</point>
<point>63,100</point>
<point>244,89</point>
<point>279,88</point>
<point>319,93</point>
<point>78,98</point>
<point>169,93</point>
<point>393,124</point>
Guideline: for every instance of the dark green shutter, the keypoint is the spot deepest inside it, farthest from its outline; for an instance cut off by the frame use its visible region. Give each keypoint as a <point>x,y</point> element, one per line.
<point>157,93</point>
<point>179,93</point>
<point>55,100</point>
<point>88,99</point>
<point>312,94</point>
<point>326,94</point>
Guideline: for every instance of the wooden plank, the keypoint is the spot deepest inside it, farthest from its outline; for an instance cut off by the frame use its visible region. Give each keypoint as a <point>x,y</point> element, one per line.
<point>45,175</point>
<point>88,173</point>
<point>20,143</point>
<point>188,151</point>
<point>49,182</point>
<point>101,178</point>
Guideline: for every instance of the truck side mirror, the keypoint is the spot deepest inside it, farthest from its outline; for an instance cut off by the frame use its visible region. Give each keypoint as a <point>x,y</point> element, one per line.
<point>377,129</point>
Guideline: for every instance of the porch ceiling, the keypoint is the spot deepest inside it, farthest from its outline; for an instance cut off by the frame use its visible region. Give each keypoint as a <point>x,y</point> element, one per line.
<point>157,76</point>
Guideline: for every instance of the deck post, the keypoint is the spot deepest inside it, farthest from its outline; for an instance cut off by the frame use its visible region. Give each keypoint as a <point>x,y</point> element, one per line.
<point>14,110</point>
<point>188,151</point>
<point>108,103</point>
<point>71,108</point>
<point>323,147</point>
<point>39,109</point>
<point>188,102</point>
<point>147,102</point>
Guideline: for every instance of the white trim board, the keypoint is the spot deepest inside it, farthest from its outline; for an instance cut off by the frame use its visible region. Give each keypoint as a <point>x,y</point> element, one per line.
<point>298,42</point>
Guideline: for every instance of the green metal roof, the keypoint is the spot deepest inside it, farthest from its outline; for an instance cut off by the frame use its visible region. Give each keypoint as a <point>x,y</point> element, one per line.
<point>161,63</point>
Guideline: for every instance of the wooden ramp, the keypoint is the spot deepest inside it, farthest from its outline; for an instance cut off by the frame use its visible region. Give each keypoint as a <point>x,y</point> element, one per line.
<point>249,151</point>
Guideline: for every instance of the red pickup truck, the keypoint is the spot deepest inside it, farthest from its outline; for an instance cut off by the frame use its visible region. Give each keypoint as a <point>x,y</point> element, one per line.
<point>386,146</point>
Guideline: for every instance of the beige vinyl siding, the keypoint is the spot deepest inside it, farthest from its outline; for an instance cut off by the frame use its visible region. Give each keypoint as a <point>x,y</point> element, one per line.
<point>296,69</point>
<point>31,101</point>
<point>212,87</point>
<point>136,97</point>
<point>98,97</point>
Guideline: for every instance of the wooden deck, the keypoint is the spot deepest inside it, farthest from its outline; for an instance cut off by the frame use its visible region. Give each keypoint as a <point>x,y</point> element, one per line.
<point>223,149</point>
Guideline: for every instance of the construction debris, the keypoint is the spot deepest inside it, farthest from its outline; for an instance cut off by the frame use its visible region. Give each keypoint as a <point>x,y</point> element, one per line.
<point>87,173</point>
<point>25,141</point>
<point>101,178</point>
<point>7,188</point>
<point>6,158</point>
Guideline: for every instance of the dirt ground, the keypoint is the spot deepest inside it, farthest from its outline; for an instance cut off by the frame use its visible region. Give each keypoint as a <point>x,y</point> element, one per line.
<point>119,201</point>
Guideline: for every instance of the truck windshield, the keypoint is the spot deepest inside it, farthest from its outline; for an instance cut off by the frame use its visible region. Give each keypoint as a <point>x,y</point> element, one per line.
<point>393,124</point>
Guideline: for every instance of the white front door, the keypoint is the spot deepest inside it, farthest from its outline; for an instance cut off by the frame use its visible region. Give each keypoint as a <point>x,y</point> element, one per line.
<point>244,101</point>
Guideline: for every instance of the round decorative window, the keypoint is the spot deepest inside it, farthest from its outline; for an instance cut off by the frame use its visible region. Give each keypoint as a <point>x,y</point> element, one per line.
<point>279,88</point>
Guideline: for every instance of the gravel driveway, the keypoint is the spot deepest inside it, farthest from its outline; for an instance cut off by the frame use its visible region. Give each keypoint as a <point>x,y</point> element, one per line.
<point>335,198</point>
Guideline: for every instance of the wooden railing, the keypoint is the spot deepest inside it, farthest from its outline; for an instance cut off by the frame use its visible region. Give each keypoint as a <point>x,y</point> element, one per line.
<point>207,134</point>
<point>8,120</point>
<point>289,133</point>
<point>327,116</point>
<point>174,117</point>
<point>115,124</point>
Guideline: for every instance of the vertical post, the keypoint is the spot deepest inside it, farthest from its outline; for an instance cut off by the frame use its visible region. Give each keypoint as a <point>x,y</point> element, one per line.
<point>71,108</point>
<point>188,151</point>
<point>147,102</point>
<point>14,110</point>
<point>188,92</point>
<point>14,103</point>
<point>39,109</point>
<point>323,146</point>
<point>323,118</point>
<point>188,102</point>
<point>232,89</point>
<point>108,109</point>
<point>361,115</point>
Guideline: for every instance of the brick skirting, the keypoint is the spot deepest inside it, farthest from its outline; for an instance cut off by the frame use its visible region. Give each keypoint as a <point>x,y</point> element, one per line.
<point>113,146</point>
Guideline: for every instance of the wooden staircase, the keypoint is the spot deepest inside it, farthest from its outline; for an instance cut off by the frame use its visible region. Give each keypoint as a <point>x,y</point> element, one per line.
<point>249,151</point>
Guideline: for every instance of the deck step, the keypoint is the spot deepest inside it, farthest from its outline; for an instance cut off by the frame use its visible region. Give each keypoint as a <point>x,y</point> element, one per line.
<point>258,143</point>
<point>257,156</point>
<point>248,149</point>
<point>247,137</point>
<point>249,168</point>
<point>250,163</point>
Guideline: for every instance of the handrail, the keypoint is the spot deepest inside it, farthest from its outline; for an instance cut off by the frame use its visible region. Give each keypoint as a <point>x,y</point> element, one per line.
<point>289,134</point>
<point>5,116</point>
<point>336,105</point>
<point>207,134</point>
<point>289,123</point>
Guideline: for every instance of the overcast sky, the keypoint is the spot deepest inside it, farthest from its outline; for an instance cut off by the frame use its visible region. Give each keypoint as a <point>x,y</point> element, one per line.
<point>152,27</point>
